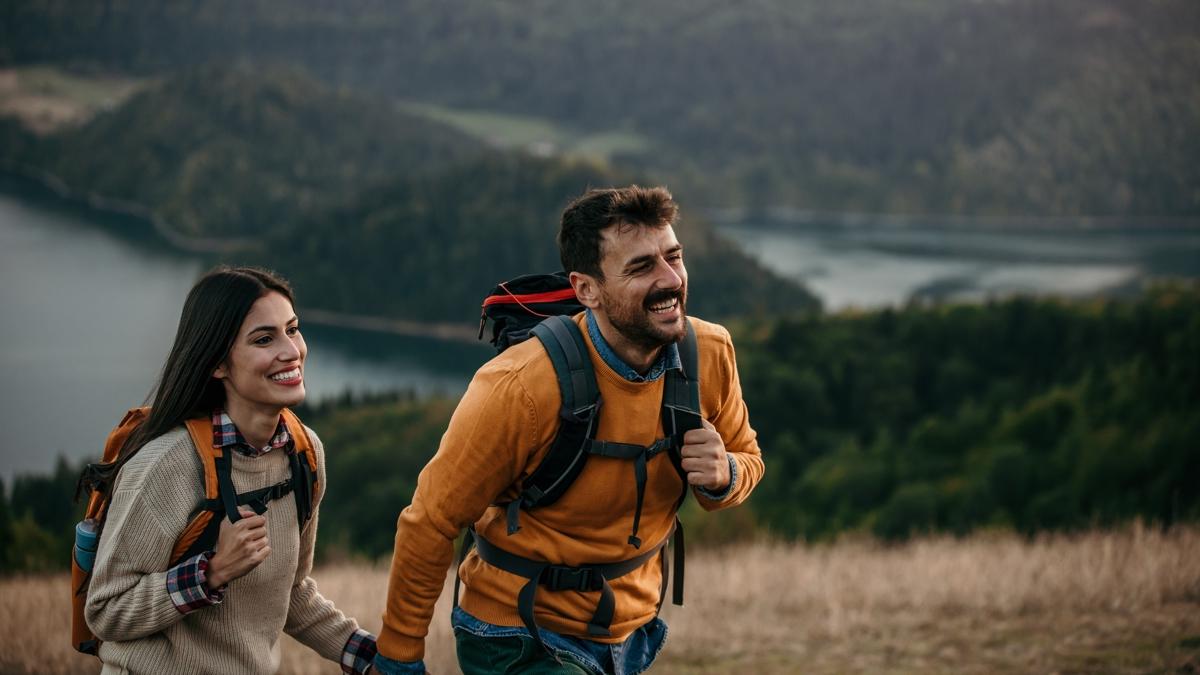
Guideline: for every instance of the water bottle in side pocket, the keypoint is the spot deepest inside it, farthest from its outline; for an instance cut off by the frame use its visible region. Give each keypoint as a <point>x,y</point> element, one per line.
<point>87,536</point>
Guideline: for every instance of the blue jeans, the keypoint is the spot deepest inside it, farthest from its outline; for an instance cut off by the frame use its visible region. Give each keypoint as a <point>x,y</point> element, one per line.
<point>630,657</point>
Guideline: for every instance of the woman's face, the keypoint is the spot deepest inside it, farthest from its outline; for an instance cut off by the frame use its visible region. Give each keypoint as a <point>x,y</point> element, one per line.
<point>265,366</point>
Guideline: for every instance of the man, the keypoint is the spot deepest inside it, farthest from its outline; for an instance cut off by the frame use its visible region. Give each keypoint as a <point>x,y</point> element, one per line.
<point>626,267</point>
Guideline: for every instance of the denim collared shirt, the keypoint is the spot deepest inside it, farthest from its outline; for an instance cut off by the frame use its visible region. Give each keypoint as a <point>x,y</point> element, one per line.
<point>668,358</point>
<point>639,650</point>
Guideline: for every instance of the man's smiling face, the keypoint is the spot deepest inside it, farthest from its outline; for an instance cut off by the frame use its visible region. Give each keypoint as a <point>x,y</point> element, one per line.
<point>643,293</point>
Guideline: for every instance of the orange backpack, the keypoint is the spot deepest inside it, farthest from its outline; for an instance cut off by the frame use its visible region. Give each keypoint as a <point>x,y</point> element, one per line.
<point>200,535</point>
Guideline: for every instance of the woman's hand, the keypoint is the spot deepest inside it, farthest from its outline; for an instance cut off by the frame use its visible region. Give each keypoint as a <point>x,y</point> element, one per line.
<point>241,547</point>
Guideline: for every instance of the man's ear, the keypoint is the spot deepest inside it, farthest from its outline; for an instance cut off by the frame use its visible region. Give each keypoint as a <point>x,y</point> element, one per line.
<point>587,289</point>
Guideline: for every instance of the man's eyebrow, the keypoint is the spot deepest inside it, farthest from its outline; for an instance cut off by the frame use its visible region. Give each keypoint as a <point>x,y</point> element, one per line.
<point>632,262</point>
<point>641,259</point>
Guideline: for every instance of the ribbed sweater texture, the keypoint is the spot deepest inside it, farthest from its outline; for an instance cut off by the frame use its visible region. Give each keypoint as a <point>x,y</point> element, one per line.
<point>498,435</point>
<point>129,607</point>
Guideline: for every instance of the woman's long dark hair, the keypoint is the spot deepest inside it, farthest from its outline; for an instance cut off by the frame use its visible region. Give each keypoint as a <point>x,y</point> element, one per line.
<point>212,315</point>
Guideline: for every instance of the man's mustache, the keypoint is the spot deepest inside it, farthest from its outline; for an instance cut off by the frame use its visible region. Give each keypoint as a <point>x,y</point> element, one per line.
<point>658,297</point>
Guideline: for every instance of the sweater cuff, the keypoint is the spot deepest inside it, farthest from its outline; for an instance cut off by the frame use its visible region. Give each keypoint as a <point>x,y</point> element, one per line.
<point>358,653</point>
<point>185,584</point>
<point>720,496</point>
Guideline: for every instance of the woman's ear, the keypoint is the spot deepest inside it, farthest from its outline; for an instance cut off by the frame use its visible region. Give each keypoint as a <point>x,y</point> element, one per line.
<point>221,371</point>
<point>587,289</point>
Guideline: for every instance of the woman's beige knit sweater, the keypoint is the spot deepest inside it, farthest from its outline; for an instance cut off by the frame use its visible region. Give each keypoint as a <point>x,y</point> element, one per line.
<point>130,609</point>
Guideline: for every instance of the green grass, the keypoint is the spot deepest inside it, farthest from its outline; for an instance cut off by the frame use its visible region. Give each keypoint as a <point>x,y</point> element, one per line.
<point>534,134</point>
<point>90,91</point>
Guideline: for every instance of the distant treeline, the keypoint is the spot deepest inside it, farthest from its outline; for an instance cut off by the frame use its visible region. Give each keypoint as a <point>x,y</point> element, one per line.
<point>1024,414</point>
<point>1010,107</point>
<point>1031,414</point>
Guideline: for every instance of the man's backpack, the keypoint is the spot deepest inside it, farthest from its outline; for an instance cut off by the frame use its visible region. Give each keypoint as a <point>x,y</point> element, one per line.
<point>541,306</point>
<point>220,499</point>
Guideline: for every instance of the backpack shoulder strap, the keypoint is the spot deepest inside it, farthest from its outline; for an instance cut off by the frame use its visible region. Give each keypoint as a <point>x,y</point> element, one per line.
<point>117,437</point>
<point>216,469</point>
<point>681,402</point>
<point>568,352</point>
<point>201,431</point>
<point>301,443</point>
<point>681,391</point>
<point>305,482</point>
<point>681,414</point>
<point>220,496</point>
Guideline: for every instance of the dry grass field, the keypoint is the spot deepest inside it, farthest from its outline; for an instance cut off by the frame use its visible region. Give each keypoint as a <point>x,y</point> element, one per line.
<point>1102,602</point>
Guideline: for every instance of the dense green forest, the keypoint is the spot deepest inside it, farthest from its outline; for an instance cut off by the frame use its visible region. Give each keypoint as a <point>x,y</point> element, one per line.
<point>446,236</point>
<point>1024,414</point>
<point>360,205</point>
<point>1000,106</point>
<point>233,153</point>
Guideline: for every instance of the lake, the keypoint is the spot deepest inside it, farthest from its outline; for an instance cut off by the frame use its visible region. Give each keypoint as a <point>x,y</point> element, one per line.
<point>89,314</point>
<point>90,302</point>
<point>868,265</point>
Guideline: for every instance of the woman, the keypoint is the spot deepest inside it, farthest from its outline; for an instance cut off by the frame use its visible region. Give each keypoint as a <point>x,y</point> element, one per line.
<point>238,359</point>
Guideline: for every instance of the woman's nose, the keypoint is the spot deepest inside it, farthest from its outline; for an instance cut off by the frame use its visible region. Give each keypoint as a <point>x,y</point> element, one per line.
<point>290,351</point>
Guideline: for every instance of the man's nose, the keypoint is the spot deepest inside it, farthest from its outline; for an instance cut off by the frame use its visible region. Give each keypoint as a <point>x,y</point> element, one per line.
<point>668,277</point>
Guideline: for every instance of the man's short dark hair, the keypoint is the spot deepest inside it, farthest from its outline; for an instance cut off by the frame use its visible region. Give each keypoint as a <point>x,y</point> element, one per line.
<point>596,210</point>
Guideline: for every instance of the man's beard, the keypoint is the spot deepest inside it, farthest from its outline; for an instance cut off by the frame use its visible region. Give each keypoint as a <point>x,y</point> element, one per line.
<point>636,324</point>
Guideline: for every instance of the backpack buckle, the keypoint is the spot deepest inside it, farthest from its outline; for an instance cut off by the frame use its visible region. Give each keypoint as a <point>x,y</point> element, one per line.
<point>582,415</point>
<point>280,489</point>
<point>562,578</point>
<point>658,447</point>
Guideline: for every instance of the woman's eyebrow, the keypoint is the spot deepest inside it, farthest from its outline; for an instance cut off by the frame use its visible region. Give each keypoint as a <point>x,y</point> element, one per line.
<point>266,327</point>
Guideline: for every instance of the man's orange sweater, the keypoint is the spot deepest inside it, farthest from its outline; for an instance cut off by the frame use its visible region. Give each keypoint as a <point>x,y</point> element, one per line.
<point>499,433</point>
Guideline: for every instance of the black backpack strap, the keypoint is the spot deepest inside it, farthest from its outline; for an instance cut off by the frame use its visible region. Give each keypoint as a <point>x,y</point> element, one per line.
<point>300,484</point>
<point>568,352</point>
<point>303,479</point>
<point>572,365</point>
<point>681,414</point>
<point>583,578</point>
<point>467,542</point>
<point>227,493</point>
<point>255,499</point>
<point>681,401</point>
<point>640,455</point>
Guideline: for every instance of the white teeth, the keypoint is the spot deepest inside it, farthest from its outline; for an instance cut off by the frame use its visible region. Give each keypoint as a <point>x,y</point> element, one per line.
<point>288,375</point>
<point>665,306</point>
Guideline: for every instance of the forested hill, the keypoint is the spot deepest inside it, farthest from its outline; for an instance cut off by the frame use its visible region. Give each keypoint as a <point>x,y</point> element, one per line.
<point>1000,106</point>
<point>429,246</point>
<point>237,152</point>
<point>367,209</point>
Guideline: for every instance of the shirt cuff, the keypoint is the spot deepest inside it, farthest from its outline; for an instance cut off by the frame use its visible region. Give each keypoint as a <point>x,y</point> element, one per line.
<point>185,584</point>
<point>385,666</point>
<point>720,496</point>
<point>358,653</point>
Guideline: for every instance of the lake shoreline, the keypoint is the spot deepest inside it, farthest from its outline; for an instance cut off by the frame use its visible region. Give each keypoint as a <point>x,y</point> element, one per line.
<point>786,218</point>
<point>33,184</point>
